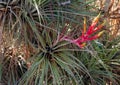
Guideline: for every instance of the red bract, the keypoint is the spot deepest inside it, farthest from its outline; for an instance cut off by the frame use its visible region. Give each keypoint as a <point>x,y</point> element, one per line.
<point>87,36</point>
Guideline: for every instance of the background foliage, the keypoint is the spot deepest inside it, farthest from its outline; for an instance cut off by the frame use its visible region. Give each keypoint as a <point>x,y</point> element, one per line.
<point>32,52</point>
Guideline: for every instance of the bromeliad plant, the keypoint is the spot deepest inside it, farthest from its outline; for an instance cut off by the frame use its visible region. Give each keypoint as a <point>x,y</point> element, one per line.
<point>54,63</point>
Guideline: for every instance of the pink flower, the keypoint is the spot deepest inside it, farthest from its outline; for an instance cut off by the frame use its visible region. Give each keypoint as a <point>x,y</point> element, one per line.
<point>87,35</point>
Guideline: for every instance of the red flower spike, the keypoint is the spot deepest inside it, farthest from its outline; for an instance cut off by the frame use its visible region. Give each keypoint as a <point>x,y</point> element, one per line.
<point>87,36</point>
<point>95,21</point>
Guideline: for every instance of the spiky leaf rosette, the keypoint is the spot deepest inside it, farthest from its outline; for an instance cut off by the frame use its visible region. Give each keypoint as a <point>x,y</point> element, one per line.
<point>53,64</point>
